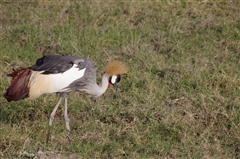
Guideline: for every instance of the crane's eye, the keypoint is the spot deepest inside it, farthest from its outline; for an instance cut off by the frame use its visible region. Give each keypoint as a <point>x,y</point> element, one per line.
<point>114,79</point>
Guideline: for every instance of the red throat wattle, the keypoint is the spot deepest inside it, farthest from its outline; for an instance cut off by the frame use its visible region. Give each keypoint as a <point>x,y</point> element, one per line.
<point>109,84</point>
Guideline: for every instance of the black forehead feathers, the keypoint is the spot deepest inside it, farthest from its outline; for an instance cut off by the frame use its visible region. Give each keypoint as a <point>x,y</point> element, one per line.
<point>118,78</point>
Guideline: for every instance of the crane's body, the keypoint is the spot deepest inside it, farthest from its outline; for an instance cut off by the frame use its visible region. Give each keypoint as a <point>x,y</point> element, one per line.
<point>61,74</point>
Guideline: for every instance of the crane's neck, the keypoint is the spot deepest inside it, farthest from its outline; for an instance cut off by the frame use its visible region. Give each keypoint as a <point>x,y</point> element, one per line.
<point>99,90</point>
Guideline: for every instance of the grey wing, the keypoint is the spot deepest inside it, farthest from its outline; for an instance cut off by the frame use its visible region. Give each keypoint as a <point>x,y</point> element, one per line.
<point>90,74</point>
<point>88,80</point>
<point>57,64</point>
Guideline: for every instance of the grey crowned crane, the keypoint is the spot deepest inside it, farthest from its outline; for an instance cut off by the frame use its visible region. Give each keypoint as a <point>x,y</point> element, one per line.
<point>61,74</point>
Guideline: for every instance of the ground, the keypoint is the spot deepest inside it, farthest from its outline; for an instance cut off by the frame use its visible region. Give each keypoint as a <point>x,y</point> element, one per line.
<point>179,99</point>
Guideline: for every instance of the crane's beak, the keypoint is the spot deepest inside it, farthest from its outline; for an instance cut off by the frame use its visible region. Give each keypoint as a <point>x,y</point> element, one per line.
<point>116,86</point>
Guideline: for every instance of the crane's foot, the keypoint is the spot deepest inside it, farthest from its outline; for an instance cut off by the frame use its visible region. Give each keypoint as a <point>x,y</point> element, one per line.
<point>48,134</point>
<point>69,137</point>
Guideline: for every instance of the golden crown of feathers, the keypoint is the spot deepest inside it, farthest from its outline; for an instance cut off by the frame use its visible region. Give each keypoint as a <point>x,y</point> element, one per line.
<point>116,68</point>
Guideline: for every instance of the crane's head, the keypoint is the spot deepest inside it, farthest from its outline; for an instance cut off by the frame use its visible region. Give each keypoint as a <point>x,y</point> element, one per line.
<point>113,80</point>
<point>114,69</point>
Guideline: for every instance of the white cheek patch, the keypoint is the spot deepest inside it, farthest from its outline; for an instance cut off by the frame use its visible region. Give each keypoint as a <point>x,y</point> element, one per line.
<point>113,79</point>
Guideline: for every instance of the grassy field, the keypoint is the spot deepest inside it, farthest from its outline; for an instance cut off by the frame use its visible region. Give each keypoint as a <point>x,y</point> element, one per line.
<point>179,99</point>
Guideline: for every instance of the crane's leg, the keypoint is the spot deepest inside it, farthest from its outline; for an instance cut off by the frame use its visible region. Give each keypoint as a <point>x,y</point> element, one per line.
<point>67,121</point>
<point>52,117</point>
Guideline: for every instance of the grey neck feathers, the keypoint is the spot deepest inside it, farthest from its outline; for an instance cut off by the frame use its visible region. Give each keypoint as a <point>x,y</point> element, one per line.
<point>99,90</point>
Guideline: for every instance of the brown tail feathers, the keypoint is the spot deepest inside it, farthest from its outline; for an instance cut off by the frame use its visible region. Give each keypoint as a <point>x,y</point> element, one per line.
<point>18,88</point>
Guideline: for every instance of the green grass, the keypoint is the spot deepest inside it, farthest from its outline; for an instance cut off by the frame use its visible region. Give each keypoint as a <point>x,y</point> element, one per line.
<point>180,98</point>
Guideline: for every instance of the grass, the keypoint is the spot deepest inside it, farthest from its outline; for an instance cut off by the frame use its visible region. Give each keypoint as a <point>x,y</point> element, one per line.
<point>180,98</point>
